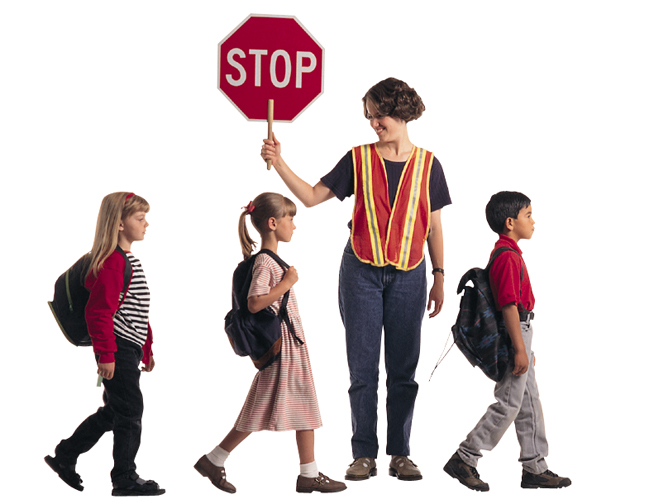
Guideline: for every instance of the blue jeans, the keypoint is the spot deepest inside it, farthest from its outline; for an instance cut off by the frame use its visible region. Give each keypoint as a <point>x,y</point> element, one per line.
<point>371,299</point>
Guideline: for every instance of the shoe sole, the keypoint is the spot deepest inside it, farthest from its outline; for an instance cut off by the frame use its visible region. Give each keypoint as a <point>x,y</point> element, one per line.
<point>454,475</point>
<point>539,486</point>
<point>205,475</point>
<point>131,492</point>
<point>52,463</point>
<point>310,490</point>
<point>562,482</point>
<point>373,472</point>
<point>395,474</point>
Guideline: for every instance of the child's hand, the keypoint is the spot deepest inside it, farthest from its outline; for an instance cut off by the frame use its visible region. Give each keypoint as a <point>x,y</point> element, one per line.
<point>106,370</point>
<point>149,366</point>
<point>291,276</point>
<point>258,303</point>
<point>521,363</point>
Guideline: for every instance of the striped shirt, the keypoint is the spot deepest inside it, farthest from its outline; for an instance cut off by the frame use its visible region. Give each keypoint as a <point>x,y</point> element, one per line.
<point>131,319</point>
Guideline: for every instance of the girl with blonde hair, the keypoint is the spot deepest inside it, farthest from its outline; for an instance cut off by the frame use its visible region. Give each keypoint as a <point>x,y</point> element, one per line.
<point>122,338</point>
<point>282,396</point>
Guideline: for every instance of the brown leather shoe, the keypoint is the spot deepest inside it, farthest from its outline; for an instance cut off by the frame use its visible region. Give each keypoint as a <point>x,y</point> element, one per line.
<point>403,468</point>
<point>322,484</point>
<point>215,474</point>
<point>361,469</point>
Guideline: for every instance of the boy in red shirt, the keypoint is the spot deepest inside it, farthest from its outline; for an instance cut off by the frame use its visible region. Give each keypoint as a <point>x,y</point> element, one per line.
<point>509,215</point>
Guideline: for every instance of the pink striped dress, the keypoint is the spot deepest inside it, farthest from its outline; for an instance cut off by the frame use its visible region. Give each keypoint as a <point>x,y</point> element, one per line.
<point>282,396</point>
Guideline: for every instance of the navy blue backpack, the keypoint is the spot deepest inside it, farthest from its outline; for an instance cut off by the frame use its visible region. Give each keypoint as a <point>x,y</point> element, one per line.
<point>257,335</point>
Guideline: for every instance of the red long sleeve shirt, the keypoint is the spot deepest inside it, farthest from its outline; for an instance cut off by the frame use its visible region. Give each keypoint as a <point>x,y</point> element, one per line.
<point>103,303</point>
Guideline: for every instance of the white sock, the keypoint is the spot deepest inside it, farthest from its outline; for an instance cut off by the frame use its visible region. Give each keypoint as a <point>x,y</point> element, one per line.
<point>309,470</point>
<point>218,456</point>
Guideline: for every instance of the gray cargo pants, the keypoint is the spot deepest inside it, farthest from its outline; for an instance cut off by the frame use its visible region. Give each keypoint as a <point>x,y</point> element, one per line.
<point>517,402</point>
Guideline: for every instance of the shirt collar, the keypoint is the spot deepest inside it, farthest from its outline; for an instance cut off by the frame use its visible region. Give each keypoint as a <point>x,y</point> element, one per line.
<point>505,241</point>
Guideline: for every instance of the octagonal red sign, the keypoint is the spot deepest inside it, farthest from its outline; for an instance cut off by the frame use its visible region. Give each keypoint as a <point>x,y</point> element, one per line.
<point>270,57</point>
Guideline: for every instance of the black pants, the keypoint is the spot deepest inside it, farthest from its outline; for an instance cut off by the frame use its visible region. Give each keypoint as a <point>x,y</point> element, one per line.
<point>121,413</point>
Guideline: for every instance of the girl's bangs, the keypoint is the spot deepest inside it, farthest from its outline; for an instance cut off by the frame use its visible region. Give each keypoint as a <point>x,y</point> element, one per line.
<point>290,207</point>
<point>136,204</point>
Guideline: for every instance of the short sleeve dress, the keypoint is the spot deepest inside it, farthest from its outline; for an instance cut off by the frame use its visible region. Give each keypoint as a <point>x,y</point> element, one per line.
<point>282,396</point>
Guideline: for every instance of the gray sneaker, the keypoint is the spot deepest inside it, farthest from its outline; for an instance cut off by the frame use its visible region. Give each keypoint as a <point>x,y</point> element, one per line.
<point>404,469</point>
<point>361,469</point>
<point>466,474</point>
<point>546,479</point>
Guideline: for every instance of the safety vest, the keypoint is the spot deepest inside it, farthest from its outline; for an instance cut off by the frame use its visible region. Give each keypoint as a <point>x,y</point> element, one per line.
<point>381,235</point>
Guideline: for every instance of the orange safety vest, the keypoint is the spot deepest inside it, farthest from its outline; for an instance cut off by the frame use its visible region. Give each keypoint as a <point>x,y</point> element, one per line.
<point>381,235</point>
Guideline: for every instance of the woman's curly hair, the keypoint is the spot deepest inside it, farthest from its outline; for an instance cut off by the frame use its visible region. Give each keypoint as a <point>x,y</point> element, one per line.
<point>393,97</point>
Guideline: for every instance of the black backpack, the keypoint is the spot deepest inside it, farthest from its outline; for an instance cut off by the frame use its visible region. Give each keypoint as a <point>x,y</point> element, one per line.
<point>478,331</point>
<point>70,298</point>
<point>257,335</point>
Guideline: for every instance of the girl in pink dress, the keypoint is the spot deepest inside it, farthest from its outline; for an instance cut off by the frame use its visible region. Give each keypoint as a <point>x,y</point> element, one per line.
<point>282,395</point>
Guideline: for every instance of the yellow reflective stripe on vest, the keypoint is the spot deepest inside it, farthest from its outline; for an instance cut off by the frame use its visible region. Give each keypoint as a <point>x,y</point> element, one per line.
<point>412,210</point>
<point>375,238</point>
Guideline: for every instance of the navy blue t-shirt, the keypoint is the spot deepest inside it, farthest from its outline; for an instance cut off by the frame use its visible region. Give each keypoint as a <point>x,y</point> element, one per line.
<point>341,181</point>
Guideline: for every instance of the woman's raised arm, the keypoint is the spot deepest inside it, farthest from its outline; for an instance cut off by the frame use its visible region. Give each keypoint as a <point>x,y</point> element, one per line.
<point>307,194</point>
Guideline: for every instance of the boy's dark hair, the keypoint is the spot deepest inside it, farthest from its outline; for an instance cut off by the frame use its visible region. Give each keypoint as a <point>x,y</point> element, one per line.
<point>503,205</point>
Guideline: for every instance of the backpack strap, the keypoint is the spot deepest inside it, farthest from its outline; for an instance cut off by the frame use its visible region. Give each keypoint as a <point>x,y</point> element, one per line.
<point>283,311</point>
<point>277,259</point>
<point>127,276</point>
<point>495,256</point>
<point>497,252</point>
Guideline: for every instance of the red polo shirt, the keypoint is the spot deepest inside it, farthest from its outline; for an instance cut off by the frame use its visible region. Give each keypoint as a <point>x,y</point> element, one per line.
<point>504,277</point>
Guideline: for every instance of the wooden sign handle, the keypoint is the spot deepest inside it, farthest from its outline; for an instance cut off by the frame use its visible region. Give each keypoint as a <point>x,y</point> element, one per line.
<point>271,114</point>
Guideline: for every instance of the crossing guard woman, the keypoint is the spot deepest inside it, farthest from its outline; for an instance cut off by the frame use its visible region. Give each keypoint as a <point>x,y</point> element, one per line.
<point>399,190</point>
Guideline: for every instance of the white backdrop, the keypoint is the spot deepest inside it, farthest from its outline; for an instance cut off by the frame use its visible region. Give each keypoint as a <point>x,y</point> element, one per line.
<point>553,99</point>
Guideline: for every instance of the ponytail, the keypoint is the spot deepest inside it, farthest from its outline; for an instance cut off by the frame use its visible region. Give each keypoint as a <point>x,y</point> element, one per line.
<point>247,243</point>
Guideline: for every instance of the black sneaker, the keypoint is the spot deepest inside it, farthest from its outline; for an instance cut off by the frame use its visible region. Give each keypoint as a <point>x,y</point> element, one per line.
<point>66,472</point>
<point>135,486</point>
<point>465,473</point>
<point>546,479</point>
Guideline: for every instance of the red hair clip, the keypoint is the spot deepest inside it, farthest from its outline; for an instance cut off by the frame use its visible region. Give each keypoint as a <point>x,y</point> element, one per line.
<point>249,208</point>
<point>128,196</point>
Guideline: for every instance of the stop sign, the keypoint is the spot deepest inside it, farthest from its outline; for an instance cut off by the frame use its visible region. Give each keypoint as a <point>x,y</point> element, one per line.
<point>270,57</point>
